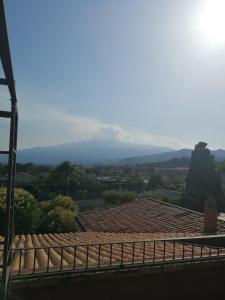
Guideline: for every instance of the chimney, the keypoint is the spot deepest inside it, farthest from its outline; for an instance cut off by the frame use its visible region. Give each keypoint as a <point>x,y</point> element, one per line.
<point>210,215</point>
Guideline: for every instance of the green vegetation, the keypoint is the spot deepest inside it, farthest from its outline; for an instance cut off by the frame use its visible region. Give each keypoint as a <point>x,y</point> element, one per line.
<point>26,211</point>
<point>165,196</point>
<point>44,195</point>
<point>83,183</point>
<point>221,167</point>
<point>64,174</point>
<point>117,197</point>
<point>58,215</point>
<point>155,181</point>
<point>135,183</point>
<point>202,180</point>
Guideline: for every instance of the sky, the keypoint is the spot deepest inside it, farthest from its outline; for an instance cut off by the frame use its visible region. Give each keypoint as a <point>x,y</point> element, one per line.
<point>139,71</point>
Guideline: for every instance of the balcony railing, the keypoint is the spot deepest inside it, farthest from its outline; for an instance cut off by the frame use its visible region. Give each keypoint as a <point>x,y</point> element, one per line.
<point>36,261</point>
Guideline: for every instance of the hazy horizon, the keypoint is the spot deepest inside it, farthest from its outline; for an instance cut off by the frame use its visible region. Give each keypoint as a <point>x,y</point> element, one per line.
<point>127,143</point>
<point>143,72</point>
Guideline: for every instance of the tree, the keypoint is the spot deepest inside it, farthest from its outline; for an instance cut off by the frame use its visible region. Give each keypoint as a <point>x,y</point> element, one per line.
<point>65,171</point>
<point>26,211</point>
<point>174,182</point>
<point>202,180</point>
<point>58,215</point>
<point>136,184</point>
<point>155,181</point>
<point>117,197</point>
<point>221,167</point>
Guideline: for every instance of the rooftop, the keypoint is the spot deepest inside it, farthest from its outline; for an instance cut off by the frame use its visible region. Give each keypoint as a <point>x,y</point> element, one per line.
<point>146,215</point>
<point>35,254</point>
<point>145,232</point>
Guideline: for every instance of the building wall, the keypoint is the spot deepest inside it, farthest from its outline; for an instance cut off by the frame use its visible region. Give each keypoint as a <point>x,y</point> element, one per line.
<point>201,283</point>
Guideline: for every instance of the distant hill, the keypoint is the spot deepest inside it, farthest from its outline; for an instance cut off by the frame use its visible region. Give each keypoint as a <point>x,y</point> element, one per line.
<point>91,152</point>
<point>218,155</point>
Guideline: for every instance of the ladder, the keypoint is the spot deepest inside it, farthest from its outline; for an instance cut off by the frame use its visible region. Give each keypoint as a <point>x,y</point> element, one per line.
<point>12,115</point>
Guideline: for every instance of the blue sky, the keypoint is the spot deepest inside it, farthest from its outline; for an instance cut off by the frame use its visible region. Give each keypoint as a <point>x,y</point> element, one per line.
<point>133,70</point>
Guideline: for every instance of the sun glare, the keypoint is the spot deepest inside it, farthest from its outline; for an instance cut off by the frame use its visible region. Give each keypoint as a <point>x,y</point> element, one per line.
<point>212,21</point>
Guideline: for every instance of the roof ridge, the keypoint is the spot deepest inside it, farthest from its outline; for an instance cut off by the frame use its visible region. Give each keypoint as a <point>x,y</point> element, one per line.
<point>138,201</point>
<point>161,204</point>
<point>111,206</point>
<point>176,206</point>
<point>186,209</point>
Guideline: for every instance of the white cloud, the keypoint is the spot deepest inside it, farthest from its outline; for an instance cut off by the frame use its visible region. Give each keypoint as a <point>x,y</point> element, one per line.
<point>51,127</point>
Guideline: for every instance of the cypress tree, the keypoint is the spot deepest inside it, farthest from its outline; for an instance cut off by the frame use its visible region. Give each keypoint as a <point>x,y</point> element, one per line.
<point>202,180</point>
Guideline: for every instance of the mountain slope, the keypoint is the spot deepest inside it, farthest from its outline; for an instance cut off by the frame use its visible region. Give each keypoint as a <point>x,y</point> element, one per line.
<point>91,152</point>
<point>218,155</point>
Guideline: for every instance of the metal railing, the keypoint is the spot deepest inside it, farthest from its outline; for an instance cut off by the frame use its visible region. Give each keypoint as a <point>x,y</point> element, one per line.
<point>36,261</point>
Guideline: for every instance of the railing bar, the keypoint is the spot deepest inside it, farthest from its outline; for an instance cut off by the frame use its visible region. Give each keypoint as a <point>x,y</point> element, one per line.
<point>110,258</point>
<point>174,250</point>
<point>4,152</point>
<point>164,250</point>
<point>5,114</point>
<point>99,255</point>
<point>154,251</point>
<point>87,256</point>
<point>183,251</point>
<point>106,244</point>
<point>143,260</point>
<point>35,249</point>
<point>4,81</point>
<point>133,252</point>
<point>34,263</point>
<point>48,260</point>
<point>84,270</point>
<point>75,254</point>
<point>20,261</point>
<point>122,245</point>
<point>61,264</point>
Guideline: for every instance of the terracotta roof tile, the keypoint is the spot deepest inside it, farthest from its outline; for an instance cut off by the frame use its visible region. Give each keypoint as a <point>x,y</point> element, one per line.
<point>76,245</point>
<point>146,215</point>
<point>139,226</point>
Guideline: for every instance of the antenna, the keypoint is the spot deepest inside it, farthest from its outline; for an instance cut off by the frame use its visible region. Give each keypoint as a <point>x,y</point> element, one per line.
<point>10,152</point>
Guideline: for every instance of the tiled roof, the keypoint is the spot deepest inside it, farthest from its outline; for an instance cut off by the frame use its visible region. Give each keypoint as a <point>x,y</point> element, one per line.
<point>146,215</point>
<point>81,245</point>
<point>123,235</point>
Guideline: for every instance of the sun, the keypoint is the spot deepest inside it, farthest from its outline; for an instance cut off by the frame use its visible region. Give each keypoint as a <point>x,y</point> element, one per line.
<point>212,21</point>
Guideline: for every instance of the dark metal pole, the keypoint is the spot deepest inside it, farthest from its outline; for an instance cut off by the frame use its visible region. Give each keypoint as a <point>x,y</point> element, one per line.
<point>11,151</point>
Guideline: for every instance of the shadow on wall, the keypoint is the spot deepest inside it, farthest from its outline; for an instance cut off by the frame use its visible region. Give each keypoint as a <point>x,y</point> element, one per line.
<point>203,283</point>
<point>12,296</point>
